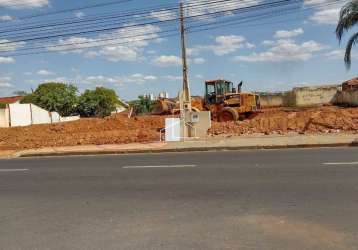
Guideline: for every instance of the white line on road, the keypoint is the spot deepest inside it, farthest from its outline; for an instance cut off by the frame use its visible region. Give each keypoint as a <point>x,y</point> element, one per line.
<point>13,170</point>
<point>163,166</point>
<point>341,163</point>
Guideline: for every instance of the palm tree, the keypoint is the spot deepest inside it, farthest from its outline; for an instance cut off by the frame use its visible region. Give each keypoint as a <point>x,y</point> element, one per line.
<point>347,19</point>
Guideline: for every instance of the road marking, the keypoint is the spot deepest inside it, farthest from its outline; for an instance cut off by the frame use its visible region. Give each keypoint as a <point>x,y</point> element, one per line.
<point>163,166</point>
<point>341,163</point>
<point>13,170</point>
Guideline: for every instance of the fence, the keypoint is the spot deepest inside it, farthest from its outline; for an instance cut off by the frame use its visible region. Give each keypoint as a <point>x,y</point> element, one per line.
<point>17,114</point>
<point>311,96</point>
<point>302,97</point>
<point>348,98</point>
<point>4,118</point>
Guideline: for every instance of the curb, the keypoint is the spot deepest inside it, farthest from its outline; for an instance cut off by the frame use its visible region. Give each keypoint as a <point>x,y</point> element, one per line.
<point>181,150</point>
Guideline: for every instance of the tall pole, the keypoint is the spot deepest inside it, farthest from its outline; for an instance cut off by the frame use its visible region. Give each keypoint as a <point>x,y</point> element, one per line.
<point>183,46</point>
<point>186,98</point>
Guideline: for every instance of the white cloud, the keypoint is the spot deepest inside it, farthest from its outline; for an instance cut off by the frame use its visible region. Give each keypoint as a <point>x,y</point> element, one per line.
<point>198,60</point>
<point>118,53</point>
<point>283,51</point>
<point>167,61</point>
<point>62,79</point>
<point>99,79</point>
<point>339,54</point>
<point>199,76</point>
<point>202,7</point>
<point>288,33</point>
<point>5,82</point>
<point>44,72</point>
<point>6,60</point>
<point>163,15</point>
<point>79,14</point>
<point>326,16</point>
<point>118,80</point>
<point>114,47</point>
<point>5,18</point>
<point>326,12</point>
<point>173,78</point>
<point>8,46</point>
<point>268,43</point>
<point>24,4</point>
<point>223,45</point>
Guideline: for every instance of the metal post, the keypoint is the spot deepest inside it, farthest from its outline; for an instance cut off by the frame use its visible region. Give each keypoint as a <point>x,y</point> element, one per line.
<point>185,113</point>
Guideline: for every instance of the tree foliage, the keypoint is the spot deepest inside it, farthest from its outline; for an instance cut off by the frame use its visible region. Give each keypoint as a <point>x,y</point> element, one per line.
<point>142,105</point>
<point>58,97</point>
<point>100,102</point>
<point>348,18</point>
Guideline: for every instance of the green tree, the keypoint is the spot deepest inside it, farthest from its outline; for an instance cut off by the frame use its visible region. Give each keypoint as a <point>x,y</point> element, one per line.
<point>143,105</point>
<point>348,19</point>
<point>52,96</point>
<point>100,102</point>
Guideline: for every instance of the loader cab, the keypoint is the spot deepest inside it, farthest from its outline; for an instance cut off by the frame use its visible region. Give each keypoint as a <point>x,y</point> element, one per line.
<point>216,90</point>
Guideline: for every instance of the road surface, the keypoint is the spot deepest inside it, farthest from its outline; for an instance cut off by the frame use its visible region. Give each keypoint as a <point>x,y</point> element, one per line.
<point>265,199</point>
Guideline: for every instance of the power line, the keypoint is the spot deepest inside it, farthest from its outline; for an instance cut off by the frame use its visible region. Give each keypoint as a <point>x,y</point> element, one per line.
<point>66,10</point>
<point>134,25</point>
<point>203,27</point>
<point>128,14</point>
<point>105,23</point>
<point>210,15</point>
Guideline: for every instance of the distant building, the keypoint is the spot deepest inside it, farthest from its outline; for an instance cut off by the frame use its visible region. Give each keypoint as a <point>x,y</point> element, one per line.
<point>350,85</point>
<point>150,96</point>
<point>11,99</point>
<point>164,94</point>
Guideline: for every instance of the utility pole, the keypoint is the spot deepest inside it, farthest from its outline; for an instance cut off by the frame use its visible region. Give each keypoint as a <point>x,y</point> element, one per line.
<point>185,99</point>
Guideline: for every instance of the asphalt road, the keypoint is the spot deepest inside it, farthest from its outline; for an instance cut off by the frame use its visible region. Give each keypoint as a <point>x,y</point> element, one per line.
<point>267,199</point>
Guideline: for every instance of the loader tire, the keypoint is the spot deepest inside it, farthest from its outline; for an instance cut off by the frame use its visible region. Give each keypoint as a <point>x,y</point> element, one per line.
<point>228,114</point>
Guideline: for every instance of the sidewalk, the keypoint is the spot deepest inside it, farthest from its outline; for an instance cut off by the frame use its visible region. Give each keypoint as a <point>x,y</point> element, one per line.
<point>215,143</point>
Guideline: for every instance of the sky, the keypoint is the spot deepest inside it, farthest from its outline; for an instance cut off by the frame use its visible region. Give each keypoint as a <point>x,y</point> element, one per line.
<point>267,54</point>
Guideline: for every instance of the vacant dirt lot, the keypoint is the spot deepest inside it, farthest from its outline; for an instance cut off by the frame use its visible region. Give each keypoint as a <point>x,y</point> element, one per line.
<point>113,130</point>
<point>281,121</point>
<point>119,129</point>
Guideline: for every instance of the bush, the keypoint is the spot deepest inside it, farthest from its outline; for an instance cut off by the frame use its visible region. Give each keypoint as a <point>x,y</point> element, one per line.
<point>100,102</point>
<point>2,105</point>
<point>58,97</point>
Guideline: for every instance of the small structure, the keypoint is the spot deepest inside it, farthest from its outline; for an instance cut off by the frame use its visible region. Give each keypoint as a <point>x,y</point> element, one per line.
<point>11,99</point>
<point>350,85</point>
<point>15,114</point>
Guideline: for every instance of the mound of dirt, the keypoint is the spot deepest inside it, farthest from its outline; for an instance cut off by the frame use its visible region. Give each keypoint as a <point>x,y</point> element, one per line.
<point>120,130</point>
<point>112,130</point>
<point>314,120</point>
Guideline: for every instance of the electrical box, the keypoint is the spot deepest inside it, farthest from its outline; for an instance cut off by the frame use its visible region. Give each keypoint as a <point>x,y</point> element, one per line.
<point>172,129</point>
<point>195,117</point>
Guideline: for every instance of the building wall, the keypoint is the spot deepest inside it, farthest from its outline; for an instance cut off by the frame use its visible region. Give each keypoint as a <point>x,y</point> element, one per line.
<point>348,98</point>
<point>280,99</point>
<point>311,96</point>
<point>4,118</point>
<point>39,115</point>
<point>20,114</point>
<point>30,114</point>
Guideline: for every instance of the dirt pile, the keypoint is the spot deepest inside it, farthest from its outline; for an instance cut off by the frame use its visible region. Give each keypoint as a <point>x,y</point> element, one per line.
<point>315,120</point>
<point>119,129</point>
<point>113,130</point>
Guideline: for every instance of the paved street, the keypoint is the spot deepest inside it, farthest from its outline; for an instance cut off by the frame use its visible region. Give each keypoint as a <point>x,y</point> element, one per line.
<point>267,199</point>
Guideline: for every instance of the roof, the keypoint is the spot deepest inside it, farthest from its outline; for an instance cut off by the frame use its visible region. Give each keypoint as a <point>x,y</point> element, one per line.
<point>217,80</point>
<point>11,99</point>
<point>351,82</point>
